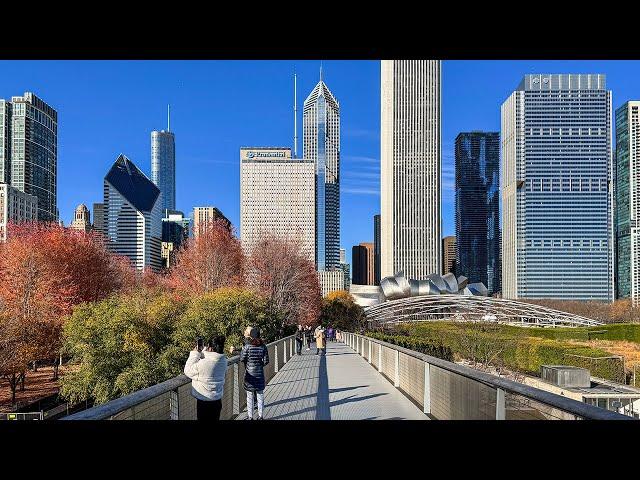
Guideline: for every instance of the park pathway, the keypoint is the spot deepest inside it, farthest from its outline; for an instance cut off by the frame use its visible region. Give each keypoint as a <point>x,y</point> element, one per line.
<point>338,386</point>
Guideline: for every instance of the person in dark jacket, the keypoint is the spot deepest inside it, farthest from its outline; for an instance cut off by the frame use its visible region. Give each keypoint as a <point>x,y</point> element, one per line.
<point>299,339</point>
<point>308,334</point>
<point>255,356</point>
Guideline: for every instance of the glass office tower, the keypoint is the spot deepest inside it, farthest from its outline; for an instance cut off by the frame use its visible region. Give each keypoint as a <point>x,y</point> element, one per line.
<point>477,157</point>
<point>627,201</point>
<point>163,166</point>
<point>321,143</point>
<point>557,197</point>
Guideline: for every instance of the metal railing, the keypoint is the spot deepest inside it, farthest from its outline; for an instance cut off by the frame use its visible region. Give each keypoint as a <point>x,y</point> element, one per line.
<point>172,400</point>
<point>448,391</point>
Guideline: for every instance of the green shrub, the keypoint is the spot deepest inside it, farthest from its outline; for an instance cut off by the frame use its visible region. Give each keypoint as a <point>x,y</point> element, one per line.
<point>427,347</point>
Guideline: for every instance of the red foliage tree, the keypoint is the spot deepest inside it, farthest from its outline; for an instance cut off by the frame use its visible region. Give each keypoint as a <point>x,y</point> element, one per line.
<point>279,270</point>
<point>209,261</point>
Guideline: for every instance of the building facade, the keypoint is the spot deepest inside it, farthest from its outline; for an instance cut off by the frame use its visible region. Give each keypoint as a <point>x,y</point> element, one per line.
<point>15,207</point>
<point>477,159</point>
<point>203,216</point>
<point>331,281</point>
<point>321,145</point>
<point>98,217</point>
<point>628,201</point>
<point>376,249</point>
<point>362,257</point>
<point>133,215</point>
<point>410,168</point>
<point>276,197</point>
<point>449,255</point>
<point>163,166</point>
<point>81,219</point>
<point>557,197</point>
<point>29,150</point>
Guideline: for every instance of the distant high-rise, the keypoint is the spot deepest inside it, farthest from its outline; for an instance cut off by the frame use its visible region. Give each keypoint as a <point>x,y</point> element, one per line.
<point>163,166</point>
<point>343,255</point>
<point>628,201</point>
<point>175,232</point>
<point>363,264</point>
<point>557,197</point>
<point>449,256</point>
<point>133,222</point>
<point>15,207</point>
<point>29,150</point>
<point>331,281</point>
<point>321,145</point>
<point>98,217</point>
<point>81,219</point>
<point>477,158</point>
<point>346,268</point>
<point>276,197</point>
<point>410,167</point>
<point>203,216</point>
<point>376,249</point>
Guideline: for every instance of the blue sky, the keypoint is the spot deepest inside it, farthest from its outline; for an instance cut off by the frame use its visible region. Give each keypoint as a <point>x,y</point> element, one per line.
<point>110,107</point>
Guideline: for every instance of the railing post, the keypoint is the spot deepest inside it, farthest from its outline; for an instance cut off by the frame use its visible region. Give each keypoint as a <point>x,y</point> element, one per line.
<point>396,381</point>
<point>291,348</point>
<point>369,351</point>
<point>174,407</point>
<point>275,350</point>
<point>500,404</point>
<point>380,357</point>
<point>236,389</point>
<point>427,389</point>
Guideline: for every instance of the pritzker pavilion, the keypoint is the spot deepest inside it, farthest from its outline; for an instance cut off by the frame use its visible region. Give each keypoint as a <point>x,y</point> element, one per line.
<point>445,297</point>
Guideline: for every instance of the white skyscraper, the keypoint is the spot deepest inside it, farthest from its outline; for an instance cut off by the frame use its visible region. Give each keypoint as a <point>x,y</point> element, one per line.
<point>276,197</point>
<point>410,167</point>
<point>321,144</point>
<point>16,207</point>
<point>132,215</point>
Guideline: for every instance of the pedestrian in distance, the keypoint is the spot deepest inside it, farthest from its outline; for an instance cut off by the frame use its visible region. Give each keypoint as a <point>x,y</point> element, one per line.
<point>329,333</point>
<point>206,367</point>
<point>300,334</point>
<point>320,335</point>
<point>255,357</point>
<point>309,335</point>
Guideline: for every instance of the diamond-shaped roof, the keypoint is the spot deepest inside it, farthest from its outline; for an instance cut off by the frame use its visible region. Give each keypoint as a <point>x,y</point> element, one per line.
<point>132,184</point>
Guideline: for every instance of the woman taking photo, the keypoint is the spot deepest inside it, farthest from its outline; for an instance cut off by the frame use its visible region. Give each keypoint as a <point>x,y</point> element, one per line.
<point>255,356</point>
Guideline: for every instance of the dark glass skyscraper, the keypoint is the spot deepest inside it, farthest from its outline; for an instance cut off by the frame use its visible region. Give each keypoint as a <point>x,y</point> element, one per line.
<point>477,157</point>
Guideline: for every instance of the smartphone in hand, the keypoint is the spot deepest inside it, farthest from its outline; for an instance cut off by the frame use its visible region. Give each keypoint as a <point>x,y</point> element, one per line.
<point>199,343</point>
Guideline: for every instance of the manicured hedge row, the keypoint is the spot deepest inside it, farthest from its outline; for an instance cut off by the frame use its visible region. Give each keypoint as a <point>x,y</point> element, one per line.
<point>428,347</point>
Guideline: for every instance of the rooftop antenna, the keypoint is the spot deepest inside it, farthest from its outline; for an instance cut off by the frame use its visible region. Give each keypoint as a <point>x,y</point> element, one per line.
<point>168,118</point>
<point>320,70</point>
<point>295,115</point>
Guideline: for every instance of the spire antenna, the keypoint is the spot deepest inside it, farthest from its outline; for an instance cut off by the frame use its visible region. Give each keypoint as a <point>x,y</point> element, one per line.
<point>320,70</point>
<point>295,115</point>
<point>168,118</point>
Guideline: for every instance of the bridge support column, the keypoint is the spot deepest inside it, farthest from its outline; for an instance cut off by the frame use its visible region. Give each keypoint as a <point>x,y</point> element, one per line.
<point>427,389</point>
<point>500,404</point>
<point>396,381</point>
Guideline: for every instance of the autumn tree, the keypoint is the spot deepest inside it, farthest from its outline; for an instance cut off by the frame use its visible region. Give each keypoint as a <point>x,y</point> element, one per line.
<point>279,269</point>
<point>340,310</point>
<point>211,260</point>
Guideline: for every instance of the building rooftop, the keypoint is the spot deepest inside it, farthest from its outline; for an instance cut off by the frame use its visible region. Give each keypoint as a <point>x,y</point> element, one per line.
<point>132,184</point>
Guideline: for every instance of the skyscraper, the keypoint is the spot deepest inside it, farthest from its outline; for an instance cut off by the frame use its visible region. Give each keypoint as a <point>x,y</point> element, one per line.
<point>346,268</point>
<point>203,216</point>
<point>29,150</point>
<point>628,201</point>
<point>477,240</point>
<point>321,145</point>
<point>376,249</point>
<point>133,215</point>
<point>81,219</point>
<point>449,256</point>
<point>557,231</point>
<point>410,167</point>
<point>15,207</point>
<point>163,166</point>
<point>363,264</point>
<point>98,217</point>
<point>276,197</point>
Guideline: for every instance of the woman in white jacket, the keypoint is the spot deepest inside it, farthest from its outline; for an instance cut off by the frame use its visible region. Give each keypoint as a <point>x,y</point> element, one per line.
<point>207,370</point>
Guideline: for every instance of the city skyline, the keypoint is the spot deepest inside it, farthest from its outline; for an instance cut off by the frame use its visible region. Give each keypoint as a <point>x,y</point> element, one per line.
<point>83,146</point>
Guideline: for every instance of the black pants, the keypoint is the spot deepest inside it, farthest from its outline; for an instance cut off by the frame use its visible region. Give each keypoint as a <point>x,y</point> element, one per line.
<point>209,410</point>
<point>298,345</point>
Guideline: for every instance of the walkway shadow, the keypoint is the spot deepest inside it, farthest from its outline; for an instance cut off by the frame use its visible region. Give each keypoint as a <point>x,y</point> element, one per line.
<point>323,410</point>
<point>334,390</point>
<point>354,398</point>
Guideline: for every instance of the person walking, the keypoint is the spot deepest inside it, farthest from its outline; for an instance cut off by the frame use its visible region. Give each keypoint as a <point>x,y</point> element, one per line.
<point>329,333</point>
<point>255,356</point>
<point>320,340</point>
<point>300,334</point>
<point>308,335</point>
<point>206,367</point>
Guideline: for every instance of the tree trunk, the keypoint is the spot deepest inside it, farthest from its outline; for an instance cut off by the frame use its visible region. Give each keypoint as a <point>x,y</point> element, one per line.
<point>22,382</point>
<point>13,383</point>
<point>35,365</point>
<point>55,371</point>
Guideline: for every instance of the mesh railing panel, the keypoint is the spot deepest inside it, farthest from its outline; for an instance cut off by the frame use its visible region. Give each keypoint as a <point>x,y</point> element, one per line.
<point>187,403</point>
<point>518,407</point>
<point>388,363</point>
<point>156,408</point>
<point>455,397</point>
<point>411,373</point>
<point>374,354</point>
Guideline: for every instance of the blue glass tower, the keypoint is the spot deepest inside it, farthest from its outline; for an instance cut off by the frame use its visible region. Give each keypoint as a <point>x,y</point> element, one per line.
<point>477,157</point>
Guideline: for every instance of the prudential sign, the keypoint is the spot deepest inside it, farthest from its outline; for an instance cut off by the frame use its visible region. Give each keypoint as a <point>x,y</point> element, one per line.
<point>266,154</point>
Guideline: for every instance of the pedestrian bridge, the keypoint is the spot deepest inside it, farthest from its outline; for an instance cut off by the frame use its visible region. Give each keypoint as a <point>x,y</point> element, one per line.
<point>359,378</point>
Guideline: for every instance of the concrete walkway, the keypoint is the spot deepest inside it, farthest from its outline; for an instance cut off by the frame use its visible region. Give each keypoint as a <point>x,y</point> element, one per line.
<point>338,386</point>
